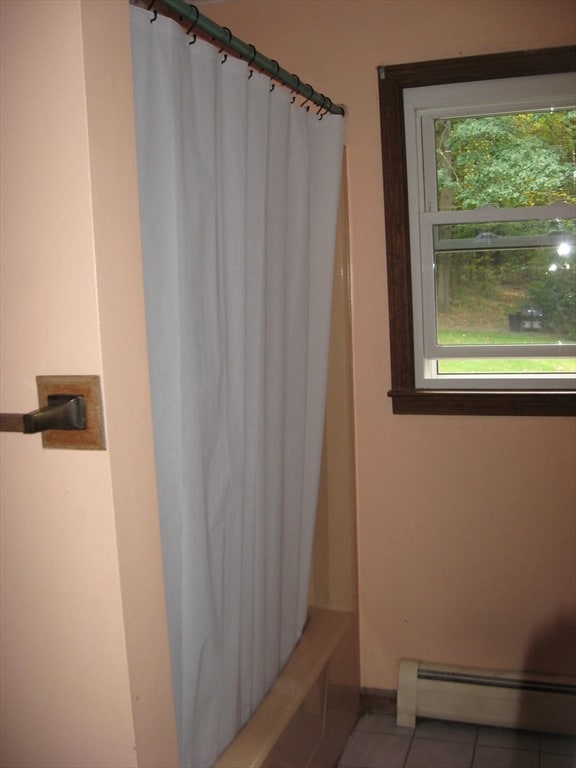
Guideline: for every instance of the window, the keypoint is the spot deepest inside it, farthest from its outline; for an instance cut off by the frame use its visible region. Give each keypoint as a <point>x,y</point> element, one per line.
<point>479,160</point>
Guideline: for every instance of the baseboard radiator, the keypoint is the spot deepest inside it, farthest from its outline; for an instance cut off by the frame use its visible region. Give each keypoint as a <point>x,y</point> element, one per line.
<point>505,699</point>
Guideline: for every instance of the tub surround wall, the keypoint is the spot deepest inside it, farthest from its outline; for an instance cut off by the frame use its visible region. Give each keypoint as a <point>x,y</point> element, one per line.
<point>334,575</point>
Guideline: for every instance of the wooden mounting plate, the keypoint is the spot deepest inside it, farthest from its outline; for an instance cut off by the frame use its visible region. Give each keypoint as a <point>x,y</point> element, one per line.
<point>91,438</point>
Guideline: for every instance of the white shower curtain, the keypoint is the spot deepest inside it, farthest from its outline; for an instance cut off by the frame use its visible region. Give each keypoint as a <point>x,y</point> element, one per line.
<point>238,196</point>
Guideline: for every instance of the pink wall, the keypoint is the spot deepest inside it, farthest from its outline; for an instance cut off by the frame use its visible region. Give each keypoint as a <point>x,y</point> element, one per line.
<point>467,528</point>
<point>467,525</point>
<point>85,675</point>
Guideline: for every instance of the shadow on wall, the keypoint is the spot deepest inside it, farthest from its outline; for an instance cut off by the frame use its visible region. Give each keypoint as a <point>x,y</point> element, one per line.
<point>553,650</point>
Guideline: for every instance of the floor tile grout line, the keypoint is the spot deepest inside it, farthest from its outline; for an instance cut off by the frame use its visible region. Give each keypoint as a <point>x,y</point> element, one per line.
<point>412,737</point>
<point>476,737</point>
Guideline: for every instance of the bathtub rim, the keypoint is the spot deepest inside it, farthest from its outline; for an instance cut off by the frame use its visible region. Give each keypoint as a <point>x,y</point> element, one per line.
<point>322,634</point>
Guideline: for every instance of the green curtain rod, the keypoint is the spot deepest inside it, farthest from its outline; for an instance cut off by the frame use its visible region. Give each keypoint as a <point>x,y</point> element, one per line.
<point>247,52</point>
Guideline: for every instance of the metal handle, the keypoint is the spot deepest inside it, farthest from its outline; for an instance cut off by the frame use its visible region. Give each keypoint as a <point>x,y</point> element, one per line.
<point>62,412</point>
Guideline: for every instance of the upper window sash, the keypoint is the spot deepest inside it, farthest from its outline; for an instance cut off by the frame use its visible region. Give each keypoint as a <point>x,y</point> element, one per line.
<point>422,106</point>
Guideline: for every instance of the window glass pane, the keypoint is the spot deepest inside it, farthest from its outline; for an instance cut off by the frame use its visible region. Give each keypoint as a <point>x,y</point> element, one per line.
<point>490,291</point>
<point>509,161</point>
<point>513,365</point>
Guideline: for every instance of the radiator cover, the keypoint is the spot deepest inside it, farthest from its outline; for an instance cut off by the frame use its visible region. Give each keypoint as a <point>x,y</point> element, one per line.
<point>486,697</point>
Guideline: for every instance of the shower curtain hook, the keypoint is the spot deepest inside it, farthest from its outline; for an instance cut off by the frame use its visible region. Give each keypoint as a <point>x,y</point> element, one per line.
<point>295,90</point>
<point>308,98</point>
<point>323,106</point>
<point>254,52</point>
<point>155,11</point>
<point>190,28</point>
<point>226,43</point>
<point>277,69</point>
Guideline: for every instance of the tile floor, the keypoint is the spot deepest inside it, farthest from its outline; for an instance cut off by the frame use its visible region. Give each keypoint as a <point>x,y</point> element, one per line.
<point>377,742</point>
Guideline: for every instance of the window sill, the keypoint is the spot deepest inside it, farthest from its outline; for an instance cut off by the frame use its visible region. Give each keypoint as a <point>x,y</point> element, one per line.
<point>496,403</point>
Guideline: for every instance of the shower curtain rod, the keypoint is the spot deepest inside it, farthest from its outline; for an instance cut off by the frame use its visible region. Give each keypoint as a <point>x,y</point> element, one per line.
<point>247,52</point>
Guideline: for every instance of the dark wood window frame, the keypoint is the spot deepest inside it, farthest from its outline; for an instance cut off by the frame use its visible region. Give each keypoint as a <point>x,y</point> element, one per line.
<point>406,398</point>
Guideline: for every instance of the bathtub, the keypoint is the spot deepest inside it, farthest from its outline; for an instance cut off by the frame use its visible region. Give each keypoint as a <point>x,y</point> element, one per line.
<point>312,707</point>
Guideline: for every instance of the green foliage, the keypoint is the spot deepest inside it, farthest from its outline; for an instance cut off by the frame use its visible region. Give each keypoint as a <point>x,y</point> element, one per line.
<point>508,161</point>
<point>555,295</point>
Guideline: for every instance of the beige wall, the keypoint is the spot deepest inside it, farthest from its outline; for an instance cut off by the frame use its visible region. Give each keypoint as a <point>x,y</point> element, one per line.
<point>85,676</point>
<point>467,525</point>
